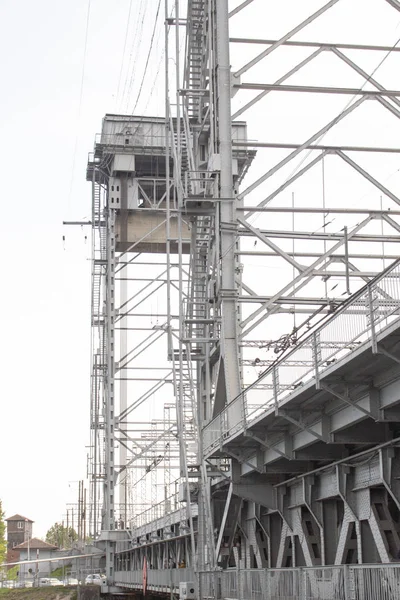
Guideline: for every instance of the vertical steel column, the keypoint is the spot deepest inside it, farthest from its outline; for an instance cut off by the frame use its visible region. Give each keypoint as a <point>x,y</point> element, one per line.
<point>227,208</point>
<point>109,481</point>
<point>123,383</point>
<point>97,358</point>
<point>167,190</point>
<point>170,347</point>
<point>93,449</point>
<point>178,159</point>
<point>179,381</point>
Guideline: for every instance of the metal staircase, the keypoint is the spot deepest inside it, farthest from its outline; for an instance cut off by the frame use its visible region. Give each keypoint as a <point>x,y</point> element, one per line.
<point>187,385</point>
<point>194,77</point>
<point>184,150</point>
<point>198,319</point>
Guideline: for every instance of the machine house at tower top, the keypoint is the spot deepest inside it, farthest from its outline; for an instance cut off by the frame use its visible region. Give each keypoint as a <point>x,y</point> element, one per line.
<point>129,161</point>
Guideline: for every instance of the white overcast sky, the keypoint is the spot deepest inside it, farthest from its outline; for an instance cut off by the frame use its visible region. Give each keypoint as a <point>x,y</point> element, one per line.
<point>45,290</point>
<point>48,121</point>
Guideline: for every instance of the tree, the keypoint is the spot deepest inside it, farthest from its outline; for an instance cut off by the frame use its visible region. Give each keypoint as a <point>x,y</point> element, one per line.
<point>3,542</point>
<point>61,536</point>
<point>13,573</point>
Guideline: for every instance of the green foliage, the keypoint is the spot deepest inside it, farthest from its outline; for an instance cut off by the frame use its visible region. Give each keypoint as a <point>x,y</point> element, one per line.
<point>3,542</point>
<point>12,573</point>
<point>61,572</point>
<point>61,536</point>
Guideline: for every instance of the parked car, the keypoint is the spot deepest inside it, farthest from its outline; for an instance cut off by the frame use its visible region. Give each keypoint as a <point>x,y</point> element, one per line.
<point>49,581</point>
<point>95,579</point>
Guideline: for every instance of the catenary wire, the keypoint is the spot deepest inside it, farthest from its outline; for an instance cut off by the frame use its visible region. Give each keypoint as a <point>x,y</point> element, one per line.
<point>80,102</point>
<point>148,57</point>
<point>124,50</point>
<point>134,52</point>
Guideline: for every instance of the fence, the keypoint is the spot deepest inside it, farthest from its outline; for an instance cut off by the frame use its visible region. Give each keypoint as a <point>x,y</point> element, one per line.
<point>158,580</point>
<point>357,321</point>
<point>345,582</point>
<point>342,582</point>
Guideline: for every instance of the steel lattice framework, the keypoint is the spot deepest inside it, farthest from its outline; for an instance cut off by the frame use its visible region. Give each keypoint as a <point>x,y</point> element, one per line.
<point>265,202</point>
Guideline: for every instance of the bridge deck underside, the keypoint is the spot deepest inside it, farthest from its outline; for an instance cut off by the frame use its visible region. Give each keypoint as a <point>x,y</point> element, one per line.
<point>355,405</point>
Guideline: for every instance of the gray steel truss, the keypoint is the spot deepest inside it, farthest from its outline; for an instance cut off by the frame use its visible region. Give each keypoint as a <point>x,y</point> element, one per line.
<point>320,276</point>
<point>246,272</point>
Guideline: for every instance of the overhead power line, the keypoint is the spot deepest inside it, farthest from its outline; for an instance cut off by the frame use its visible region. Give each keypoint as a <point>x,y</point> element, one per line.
<point>148,57</point>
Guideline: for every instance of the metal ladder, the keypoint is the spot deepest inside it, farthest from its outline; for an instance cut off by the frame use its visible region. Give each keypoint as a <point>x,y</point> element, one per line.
<point>96,294</point>
<point>96,202</point>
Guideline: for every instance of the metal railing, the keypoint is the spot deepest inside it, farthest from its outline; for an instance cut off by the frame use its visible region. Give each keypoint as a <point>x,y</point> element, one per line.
<point>158,580</point>
<point>341,582</point>
<point>138,136</point>
<point>159,516</point>
<point>357,321</point>
<point>344,582</point>
<point>201,183</point>
<point>166,506</point>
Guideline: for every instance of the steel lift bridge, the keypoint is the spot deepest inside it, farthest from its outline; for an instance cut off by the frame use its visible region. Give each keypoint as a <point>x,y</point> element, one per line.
<point>245,405</point>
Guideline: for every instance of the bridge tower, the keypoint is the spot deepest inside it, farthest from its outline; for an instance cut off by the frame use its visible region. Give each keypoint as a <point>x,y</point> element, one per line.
<point>246,244</point>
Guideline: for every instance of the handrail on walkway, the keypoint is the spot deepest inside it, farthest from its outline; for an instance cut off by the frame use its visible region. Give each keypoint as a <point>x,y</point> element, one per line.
<point>358,320</point>
<point>336,582</point>
<point>341,582</point>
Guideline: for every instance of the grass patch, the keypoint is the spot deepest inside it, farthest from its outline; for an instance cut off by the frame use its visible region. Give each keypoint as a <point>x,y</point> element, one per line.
<point>50,593</point>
